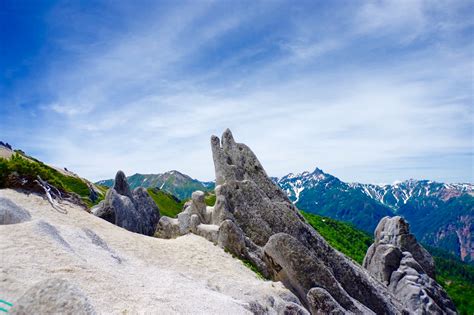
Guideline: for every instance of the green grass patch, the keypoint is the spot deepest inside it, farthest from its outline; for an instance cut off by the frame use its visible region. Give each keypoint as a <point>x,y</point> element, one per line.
<point>251,266</point>
<point>168,204</point>
<point>210,199</point>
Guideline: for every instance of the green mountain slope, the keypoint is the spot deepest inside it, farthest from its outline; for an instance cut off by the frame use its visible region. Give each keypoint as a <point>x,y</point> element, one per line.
<point>342,236</point>
<point>455,276</point>
<point>168,204</point>
<point>444,224</point>
<point>173,182</point>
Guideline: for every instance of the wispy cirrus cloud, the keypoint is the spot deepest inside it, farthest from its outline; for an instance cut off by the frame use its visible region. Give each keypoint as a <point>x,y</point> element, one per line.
<point>359,90</point>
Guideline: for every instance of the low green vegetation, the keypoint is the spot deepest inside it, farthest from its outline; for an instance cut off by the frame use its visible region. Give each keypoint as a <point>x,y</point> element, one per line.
<point>168,204</point>
<point>210,199</point>
<point>21,172</point>
<point>342,236</point>
<point>248,264</point>
<point>456,277</point>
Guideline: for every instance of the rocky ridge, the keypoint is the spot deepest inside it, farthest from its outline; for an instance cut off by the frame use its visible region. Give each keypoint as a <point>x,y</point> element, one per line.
<point>254,219</point>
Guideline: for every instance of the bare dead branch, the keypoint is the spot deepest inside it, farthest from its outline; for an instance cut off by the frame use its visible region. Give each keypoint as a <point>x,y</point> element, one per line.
<point>53,195</point>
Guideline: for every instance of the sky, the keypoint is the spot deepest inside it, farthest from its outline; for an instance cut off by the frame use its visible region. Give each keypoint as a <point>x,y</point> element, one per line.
<point>369,91</point>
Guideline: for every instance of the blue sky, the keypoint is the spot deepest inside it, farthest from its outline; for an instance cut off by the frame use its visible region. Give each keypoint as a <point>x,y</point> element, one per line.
<point>370,91</point>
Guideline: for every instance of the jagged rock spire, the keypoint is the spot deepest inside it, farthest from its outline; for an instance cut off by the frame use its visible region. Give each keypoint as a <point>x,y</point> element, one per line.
<point>121,185</point>
<point>236,161</point>
<point>406,268</point>
<point>135,211</point>
<point>254,219</point>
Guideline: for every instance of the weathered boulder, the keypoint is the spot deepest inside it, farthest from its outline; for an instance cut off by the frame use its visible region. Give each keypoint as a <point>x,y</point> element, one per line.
<point>408,275</point>
<point>53,296</point>
<point>146,209</point>
<point>300,270</point>
<point>385,259</point>
<point>321,302</point>
<point>121,185</point>
<point>167,228</point>
<point>135,211</point>
<point>396,231</point>
<point>232,238</point>
<point>10,213</point>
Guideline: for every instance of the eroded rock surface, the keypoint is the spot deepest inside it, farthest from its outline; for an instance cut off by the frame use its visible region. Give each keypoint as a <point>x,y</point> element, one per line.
<point>133,210</point>
<point>10,213</point>
<point>406,268</point>
<point>53,296</point>
<point>254,220</point>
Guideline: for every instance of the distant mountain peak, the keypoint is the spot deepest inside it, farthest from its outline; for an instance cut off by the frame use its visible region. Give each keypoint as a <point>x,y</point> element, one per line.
<point>365,204</point>
<point>173,182</point>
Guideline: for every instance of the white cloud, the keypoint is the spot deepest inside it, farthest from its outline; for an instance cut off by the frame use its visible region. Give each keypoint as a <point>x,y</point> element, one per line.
<point>139,104</point>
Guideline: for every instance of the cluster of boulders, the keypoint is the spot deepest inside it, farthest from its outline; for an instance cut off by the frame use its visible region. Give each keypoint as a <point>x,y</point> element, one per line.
<point>254,220</point>
<point>406,268</point>
<point>133,210</point>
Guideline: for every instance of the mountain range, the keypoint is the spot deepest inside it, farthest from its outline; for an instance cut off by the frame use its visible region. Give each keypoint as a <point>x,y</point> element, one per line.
<point>428,205</point>
<point>173,182</point>
<point>441,215</point>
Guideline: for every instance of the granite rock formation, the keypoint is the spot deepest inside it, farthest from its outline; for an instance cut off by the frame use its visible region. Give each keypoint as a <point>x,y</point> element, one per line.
<point>133,210</point>
<point>406,268</point>
<point>254,220</point>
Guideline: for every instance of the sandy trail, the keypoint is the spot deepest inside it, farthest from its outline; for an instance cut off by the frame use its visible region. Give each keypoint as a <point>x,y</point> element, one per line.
<point>120,271</point>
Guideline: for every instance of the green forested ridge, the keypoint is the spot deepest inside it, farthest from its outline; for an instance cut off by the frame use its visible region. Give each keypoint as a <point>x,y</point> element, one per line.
<point>427,215</point>
<point>456,277</point>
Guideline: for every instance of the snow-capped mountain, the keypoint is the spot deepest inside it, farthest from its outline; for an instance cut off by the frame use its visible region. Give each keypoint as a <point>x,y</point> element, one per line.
<point>294,184</point>
<point>324,194</point>
<point>400,193</point>
<point>440,214</point>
